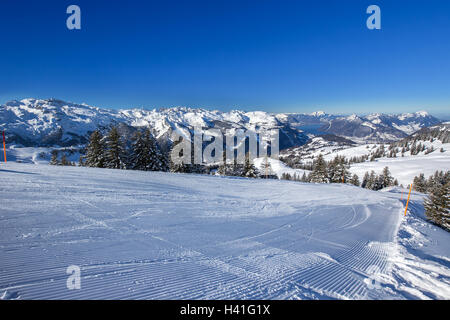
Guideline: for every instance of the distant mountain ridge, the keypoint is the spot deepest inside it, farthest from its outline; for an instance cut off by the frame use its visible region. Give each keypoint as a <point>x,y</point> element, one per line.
<point>51,122</point>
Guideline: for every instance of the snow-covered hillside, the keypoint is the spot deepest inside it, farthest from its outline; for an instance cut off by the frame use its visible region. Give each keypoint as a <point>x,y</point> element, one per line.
<point>150,235</point>
<point>379,127</point>
<point>406,168</point>
<point>425,151</point>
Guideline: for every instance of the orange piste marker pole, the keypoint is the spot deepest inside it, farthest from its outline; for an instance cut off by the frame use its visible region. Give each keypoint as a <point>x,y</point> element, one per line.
<point>407,202</point>
<point>4,146</point>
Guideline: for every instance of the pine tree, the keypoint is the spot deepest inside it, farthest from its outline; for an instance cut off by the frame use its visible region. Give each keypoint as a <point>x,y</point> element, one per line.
<point>437,206</point>
<point>319,173</point>
<point>64,161</point>
<point>342,170</point>
<point>379,183</point>
<point>286,176</point>
<point>146,154</point>
<point>371,181</point>
<point>387,178</point>
<point>224,166</point>
<point>81,161</point>
<point>420,183</point>
<point>304,177</point>
<point>54,159</point>
<point>355,180</point>
<point>95,151</point>
<point>365,180</point>
<point>249,170</point>
<point>332,171</point>
<point>338,171</point>
<point>138,154</point>
<point>115,152</point>
<point>235,169</point>
<point>267,171</point>
<point>157,160</point>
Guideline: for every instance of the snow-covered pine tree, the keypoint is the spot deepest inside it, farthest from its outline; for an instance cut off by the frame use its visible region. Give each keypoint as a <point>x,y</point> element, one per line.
<point>332,170</point>
<point>249,169</point>
<point>157,161</point>
<point>146,154</point>
<point>365,180</point>
<point>420,184</point>
<point>437,206</point>
<point>319,173</point>
<point>95,151</point>
<point>371,182</point>
<point>115,152</point>
<point>387,178</point>
<point>378,185</point>
<point>235,169</point>
<point>340,173</point>
<point>137,159</point>
<point>355,180</point>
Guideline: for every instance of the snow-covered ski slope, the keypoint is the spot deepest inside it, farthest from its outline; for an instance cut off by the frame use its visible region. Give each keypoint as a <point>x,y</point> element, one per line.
<point>405,169</point>
<point>151,235</point>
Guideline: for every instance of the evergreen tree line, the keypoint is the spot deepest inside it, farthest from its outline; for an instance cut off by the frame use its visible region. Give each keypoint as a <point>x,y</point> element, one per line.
<point>247,169</point>
<point>336,171</point>
<point>437,206</point>
<point>414,143</point>
<point>425,134</point>
<point>60,162</point>
<point>226,169</point>
<point>143,153</point>
<point>114,152</point>
<point>427,185</point>
<point>376,182</point>
<point>437,203</point>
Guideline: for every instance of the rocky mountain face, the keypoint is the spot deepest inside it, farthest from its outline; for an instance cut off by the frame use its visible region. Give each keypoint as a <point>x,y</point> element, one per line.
<point>52,122</point>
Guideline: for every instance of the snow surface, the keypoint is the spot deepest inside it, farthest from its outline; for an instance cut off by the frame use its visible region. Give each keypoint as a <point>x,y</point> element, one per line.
<point>151,235</point>
<point>39,155</point>
<point>406,168</point>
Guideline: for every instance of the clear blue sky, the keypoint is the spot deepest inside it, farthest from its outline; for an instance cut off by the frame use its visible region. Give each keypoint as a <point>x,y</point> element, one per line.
<point>278,56</point>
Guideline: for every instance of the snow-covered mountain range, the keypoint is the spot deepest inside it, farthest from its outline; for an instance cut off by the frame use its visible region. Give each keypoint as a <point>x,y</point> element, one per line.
<point>52,122</point>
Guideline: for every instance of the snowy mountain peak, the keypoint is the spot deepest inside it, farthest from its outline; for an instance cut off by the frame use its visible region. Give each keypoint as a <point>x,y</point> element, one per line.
<point>422,113</point>
<point>418,114</point>
<point>317,113</point>
<point>352,117</point>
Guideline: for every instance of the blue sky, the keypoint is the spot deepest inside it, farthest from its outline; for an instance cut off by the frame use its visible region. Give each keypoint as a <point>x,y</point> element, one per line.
<point>277,56</point>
